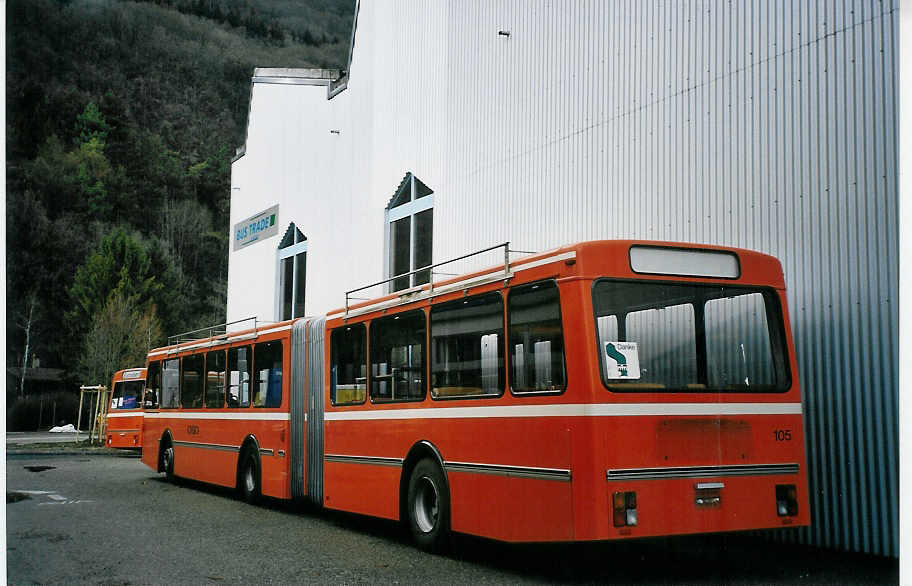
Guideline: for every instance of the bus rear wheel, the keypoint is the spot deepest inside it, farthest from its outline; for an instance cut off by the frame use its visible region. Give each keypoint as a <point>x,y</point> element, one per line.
<point>249,480</point>
<point>429,507</point>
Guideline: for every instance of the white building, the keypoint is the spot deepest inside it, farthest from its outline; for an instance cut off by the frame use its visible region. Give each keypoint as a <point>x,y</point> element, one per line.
<point>763,125</point>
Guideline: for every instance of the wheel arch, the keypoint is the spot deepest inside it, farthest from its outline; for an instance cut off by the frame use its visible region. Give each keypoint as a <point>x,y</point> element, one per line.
<point>419,451</point>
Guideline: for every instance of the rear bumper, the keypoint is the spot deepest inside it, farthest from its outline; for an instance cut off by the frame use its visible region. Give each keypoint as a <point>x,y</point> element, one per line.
<point>707,499</point>
<point>115,438</point>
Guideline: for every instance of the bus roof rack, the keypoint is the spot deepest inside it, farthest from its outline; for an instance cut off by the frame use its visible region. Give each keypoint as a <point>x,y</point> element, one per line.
<point>506,273</point>
<point>213,331</point>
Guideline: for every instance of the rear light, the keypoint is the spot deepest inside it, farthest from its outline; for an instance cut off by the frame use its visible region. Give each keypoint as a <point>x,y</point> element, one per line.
<point>109,439</point>
<point>625,508</point>
<point>786,500</point>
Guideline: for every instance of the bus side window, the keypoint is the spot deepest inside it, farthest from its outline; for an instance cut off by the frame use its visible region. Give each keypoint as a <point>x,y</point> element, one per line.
<point>170,384</point>
<point>397,357</point>
<point>215,379</point>
<point>239,376</point>
<point>536,339</point>
<point>117,396</point>
<point>467,350</point>
<point>153,386</point>
<point>267,388</point>
<point>348,382</point>
<point>192,382</point>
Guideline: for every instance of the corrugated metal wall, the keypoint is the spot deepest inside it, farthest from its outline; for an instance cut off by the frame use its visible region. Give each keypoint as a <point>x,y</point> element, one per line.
<point>768,125</point>
<point>764,125</point>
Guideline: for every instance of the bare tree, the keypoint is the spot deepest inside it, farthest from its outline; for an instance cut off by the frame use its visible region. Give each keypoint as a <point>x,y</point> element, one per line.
<point>120,336</point>
<point>26,324</point>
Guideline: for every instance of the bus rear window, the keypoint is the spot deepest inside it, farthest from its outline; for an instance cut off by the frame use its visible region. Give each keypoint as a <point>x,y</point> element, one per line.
<point>127,395</point>
<point>689,338</point>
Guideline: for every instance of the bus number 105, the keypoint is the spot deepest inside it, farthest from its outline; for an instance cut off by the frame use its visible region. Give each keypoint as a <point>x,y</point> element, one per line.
<point>783,435</point>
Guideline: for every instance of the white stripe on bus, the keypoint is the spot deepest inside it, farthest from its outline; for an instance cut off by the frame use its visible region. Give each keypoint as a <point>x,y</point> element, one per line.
<point>131,414</point>
<point>580,410</point>
<point>228,416</point>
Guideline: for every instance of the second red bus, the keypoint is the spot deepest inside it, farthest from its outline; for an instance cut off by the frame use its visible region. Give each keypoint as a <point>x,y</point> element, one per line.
<point>125,409</point>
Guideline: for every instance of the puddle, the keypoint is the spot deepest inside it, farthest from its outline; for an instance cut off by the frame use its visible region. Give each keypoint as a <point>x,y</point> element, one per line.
<point>50,537</point>
<point>39,468</point>
<point>15,497</point>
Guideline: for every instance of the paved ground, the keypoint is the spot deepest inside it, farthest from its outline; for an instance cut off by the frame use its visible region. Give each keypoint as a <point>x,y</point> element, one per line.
<point>110,520</point>
<point>24,438</point>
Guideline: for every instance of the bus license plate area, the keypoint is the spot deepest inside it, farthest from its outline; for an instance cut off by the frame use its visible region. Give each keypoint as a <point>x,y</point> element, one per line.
<point>708,494</point>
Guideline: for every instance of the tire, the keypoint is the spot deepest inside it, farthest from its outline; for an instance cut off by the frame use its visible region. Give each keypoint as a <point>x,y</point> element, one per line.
<point>249,477</point>
<point>428,507</point>
<point>167,460</point>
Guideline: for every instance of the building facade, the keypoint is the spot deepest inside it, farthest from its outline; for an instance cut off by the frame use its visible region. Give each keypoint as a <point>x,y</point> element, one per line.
<point>460,125</point>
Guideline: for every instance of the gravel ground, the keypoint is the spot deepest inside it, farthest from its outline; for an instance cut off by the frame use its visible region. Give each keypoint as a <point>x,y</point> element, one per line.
<point>87,519</point>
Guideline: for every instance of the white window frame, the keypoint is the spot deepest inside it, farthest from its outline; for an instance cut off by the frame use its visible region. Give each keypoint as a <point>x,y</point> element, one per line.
<point>292,250</point>
<point>409,209</point>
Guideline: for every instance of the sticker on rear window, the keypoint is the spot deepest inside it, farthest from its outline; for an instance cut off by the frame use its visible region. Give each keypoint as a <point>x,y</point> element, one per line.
<point>622,361</point>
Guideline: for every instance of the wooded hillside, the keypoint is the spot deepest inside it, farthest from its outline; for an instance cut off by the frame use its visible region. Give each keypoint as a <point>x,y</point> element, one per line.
<point>122,118</point>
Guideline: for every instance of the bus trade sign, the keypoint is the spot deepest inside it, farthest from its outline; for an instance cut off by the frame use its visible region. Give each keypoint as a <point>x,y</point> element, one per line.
<point>257,227</point>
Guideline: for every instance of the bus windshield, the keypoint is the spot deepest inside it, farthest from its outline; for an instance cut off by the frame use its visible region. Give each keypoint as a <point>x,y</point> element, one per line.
<point>127,395</point>
<point>655,336</point>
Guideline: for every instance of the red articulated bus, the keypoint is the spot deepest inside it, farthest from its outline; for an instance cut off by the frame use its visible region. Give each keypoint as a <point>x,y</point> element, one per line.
<point>125,411</point>
<point>604,390</point>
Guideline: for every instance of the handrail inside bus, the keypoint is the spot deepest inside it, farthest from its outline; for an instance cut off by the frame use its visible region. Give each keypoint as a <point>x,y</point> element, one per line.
<point>430,283</point>
<point>212,331</point>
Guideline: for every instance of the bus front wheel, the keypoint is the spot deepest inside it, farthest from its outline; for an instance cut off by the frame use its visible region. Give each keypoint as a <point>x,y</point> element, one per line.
<point>429,506</point>
<point>249,482</point>
<point>167,461</point>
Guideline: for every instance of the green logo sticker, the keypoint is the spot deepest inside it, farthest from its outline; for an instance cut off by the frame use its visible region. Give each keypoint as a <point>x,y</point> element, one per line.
<point>622,361</point>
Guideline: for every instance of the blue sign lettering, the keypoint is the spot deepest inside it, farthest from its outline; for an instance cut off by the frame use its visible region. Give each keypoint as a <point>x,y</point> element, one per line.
<point>260,226</point>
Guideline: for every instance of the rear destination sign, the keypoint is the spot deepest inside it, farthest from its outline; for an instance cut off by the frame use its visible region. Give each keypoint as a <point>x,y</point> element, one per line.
<point>255,228</point>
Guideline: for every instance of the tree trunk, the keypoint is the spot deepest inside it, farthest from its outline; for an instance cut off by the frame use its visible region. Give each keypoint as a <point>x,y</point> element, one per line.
<point>28,332</point>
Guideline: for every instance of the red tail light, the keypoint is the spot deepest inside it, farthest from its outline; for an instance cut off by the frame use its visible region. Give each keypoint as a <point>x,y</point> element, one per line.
<point>625,508</point>
<point>786,500</point>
